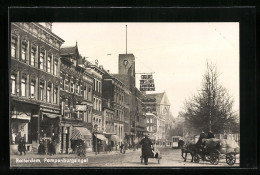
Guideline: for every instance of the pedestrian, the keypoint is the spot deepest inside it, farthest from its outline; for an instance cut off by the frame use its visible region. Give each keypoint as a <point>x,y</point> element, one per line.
<point>112,145</point>
<point>210,135</point>
<point>21,146</point>
<point>41,148</point>
<point>146,144</point>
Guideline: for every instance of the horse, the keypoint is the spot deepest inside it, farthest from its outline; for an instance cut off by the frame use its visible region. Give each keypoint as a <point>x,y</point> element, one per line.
<point>190,148</point>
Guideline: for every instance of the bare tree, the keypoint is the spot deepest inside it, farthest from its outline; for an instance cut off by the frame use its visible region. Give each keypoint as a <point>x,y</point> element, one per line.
<point>211,109</point>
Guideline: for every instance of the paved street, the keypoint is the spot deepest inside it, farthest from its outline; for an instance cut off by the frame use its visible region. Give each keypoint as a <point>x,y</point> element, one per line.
<point>170,157</point>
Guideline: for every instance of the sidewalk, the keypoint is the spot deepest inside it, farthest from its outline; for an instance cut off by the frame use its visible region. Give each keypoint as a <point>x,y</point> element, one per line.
<point>88,154</point>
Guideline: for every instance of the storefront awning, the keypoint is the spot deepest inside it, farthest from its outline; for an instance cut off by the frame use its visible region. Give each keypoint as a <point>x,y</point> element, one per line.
<point>101,137</point>
<point>22,117</point>
<point>115,138</point>
<point>50,115</point>
<point>80,133</point>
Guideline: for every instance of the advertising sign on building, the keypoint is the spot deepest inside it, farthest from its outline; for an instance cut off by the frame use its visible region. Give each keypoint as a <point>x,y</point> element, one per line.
<point>81,108</point>
<point>147,83</point>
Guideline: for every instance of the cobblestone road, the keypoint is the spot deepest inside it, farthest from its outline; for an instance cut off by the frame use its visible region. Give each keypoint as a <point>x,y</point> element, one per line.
<point>170,158</point>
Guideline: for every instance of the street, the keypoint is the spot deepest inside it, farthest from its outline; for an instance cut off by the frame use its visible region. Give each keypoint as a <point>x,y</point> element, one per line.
<point>170,158</point>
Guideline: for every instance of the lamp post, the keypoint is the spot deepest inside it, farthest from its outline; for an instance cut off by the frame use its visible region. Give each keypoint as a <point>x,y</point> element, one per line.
<point>95,132</point>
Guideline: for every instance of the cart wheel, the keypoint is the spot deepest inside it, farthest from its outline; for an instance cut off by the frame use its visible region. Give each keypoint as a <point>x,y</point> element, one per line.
<point>196,158</point>
<point>214,158</point>
<point>231,159</point>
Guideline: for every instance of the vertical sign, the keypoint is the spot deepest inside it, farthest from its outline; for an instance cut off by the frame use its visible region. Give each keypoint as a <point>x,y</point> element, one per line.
<point>147,83</point>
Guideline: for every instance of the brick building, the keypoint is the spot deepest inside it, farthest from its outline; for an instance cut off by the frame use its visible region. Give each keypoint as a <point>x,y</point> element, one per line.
<point>126,66</point>
<point>76,100</point>
<point>34,84</point>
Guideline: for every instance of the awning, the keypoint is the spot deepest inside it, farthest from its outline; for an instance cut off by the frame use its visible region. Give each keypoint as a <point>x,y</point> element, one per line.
<point>80,133</point>
<point>22,116</point>
<point>115,138</point>
<point>50,115</point>
<point>101,137</point>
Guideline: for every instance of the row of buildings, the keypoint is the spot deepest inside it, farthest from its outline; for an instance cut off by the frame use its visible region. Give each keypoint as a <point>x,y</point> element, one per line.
<point>58,95</point>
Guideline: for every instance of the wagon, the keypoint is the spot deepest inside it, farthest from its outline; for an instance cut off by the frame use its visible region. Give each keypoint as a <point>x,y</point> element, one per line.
<point>216,149</point>
<point>156,155</point>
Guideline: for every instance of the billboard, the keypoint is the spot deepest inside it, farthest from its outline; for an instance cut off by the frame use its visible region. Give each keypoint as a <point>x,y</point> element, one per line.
<point>147,83</point>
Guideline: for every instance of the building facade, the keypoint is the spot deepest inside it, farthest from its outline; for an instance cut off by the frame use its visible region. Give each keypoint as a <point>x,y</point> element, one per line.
<point>34,84</point>
<point>157,108</point>
<point>76,95</point>
<point>126,74</point>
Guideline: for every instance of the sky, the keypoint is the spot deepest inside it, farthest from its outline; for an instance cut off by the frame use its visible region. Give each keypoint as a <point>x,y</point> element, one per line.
<point>177,53</point>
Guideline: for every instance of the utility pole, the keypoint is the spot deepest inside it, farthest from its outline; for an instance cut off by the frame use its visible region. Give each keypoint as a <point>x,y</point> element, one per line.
<point>126,39</point>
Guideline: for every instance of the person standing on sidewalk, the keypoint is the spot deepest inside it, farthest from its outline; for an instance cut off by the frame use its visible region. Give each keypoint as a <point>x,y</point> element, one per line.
<point>146,149</point>
<point>21,146</point>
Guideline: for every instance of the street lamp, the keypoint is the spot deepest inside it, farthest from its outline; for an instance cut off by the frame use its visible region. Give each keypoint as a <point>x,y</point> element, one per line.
<point>95,132</point>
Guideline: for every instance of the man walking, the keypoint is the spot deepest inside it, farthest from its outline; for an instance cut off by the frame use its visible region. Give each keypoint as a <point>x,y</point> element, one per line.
<point>146,149</point>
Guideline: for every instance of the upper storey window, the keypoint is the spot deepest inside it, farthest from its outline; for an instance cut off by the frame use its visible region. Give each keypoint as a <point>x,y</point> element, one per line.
<point>13,47</point>
<point>41,60</point>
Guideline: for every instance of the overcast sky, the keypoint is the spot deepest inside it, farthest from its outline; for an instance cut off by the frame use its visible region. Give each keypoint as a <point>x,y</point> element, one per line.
<point>176,52</point>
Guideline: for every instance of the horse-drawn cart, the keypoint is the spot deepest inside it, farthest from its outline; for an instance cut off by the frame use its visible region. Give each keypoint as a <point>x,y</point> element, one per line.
<point>215,149</point>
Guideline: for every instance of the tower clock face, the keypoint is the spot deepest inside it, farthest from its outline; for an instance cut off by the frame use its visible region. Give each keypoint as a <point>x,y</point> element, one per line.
<point>125,62</point>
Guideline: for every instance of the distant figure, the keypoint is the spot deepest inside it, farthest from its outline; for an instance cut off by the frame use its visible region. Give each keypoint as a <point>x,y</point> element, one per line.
<point>202,136</point>
<point>41,148</point>
<point>210,135</point>
<point>21,146</point>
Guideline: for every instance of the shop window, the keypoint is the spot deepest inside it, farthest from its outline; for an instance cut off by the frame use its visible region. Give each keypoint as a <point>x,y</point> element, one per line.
<point>23,87</point>
<point>32,89</point>
<point>33,54</point>
<point>55,68</point>
<point>49,64</point>
<point>41,60</point>
<point>24,49</point>
<point>13,84</point>
<point>13,47</point>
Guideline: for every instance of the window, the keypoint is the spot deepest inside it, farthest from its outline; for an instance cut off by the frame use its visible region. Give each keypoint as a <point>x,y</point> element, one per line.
<point>33,53</point>
<point>13,79</point>
<point>99,105</point>
<point>94,103</point>
<point>23,87</point>
<point>55,68</point>
<point>77,89</point>
<point>13,47</point>
<point>151,120</point>
<point>32,89</point>
<point>94,84</point>
<point>71,86</point>
<point>55,95</point>
<point>24,48</point>
<point>41,60</point>
<point>49,93</point>
<point>66,82</point>
<point>49,64</point>
<point>41,91</point>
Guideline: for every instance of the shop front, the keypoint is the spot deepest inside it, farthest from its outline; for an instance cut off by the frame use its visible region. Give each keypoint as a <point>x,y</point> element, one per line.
<point>49,127</point>
<point>20,125</point>
<point>99,142</point>
<point>81,134</point>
